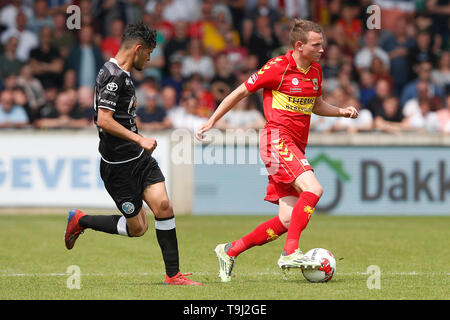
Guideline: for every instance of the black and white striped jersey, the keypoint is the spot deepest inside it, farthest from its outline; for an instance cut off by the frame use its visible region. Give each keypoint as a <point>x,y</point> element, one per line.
<point>114,90</point>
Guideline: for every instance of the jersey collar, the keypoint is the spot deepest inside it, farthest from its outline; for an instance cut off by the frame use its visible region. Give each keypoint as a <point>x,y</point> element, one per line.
<point>293,64</point>
<point>113,60</point>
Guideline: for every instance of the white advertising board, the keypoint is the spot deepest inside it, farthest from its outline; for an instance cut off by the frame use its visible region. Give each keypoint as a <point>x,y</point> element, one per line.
<point>58,170</point>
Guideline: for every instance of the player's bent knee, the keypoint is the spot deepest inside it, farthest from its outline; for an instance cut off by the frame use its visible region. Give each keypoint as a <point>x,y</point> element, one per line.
<point>316,189</point>
<point>138,231</point>
<point>165,209</point>
<point>285,221</point>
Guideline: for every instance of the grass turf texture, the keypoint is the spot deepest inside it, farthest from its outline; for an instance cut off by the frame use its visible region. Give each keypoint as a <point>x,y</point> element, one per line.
<point>412,253</point>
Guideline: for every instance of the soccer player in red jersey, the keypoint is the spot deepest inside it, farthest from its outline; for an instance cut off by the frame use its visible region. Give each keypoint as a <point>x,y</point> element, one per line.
<point>292,85</point>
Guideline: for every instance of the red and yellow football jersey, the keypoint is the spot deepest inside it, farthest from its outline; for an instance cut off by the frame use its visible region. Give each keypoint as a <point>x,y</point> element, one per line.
<point>289,95</point>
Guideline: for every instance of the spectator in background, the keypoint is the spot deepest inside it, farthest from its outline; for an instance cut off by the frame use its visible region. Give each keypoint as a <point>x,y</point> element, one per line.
<point>397,44</point>
<point>151,116</point>
<point>214,33</point>
<point>66,115</point>
<point>262,41</point>
<point>224,81</point>
<point>169,103</point>
<point>389,118</point>
<point>236,53</point>
<point>132,10</point>
<point>412,105</point>
<point>283,38</point>
<point>174,10</point>
<point>263,8</point>
<point>45,61</point>
<point>41,17</point>
<point>197,62</point>
<point>381,71</point>
<point>351,25</point>
<point>333,61</point>
<point>298,9</point>
<point>204,22</point>
<point>155,67</point>
<point>196,86</point>
<point>367,87</point>
<point>365,55</point>
<point>56,6</point>
<point>382,91</point>
<point>85,98</point>
<point>27,39</point>
<point>422,51</point>
<point>187,117</point>
<point>439,11</point>
<point>110,44</point>
<point>243,116</point>
<point>85,58</point>
<point>101,13</point>
<point>443,116</point>
<point>11,115</point>
<point>32,87</point>
<point>69,80</point>
<point>393,10</point>
<point>410,91</point>
<point>63,40</point>
<point>20,99</point>
<point>441,75</point>
<point>48,109</point>
<point>153,18</point>
<point>178,45</point>
<point>9,63</point>
<point>175,79</point>
<point>423,119</point>
<point>8,14</point>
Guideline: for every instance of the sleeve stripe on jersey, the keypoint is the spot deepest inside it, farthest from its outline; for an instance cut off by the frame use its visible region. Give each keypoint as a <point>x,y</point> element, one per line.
<point>283,77</point>
<point>104,107</point>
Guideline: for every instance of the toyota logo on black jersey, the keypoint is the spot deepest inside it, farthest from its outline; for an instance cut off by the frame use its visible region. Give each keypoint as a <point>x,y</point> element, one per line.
<point>112,86</point>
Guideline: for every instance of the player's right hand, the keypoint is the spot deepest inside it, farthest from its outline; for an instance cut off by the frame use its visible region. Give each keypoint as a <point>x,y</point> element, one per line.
<point>149,144</point>
<point>200,132</point>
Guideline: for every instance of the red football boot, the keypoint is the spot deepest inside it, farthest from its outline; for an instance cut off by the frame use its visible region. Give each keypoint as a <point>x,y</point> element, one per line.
<point>180,280</point>
<point>73,229</point>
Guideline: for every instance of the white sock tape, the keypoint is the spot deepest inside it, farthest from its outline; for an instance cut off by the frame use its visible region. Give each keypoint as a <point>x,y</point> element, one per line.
<point>165,224</point>
<point>122,226</point>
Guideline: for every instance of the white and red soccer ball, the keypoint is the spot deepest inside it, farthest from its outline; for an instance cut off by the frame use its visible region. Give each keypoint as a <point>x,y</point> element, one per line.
<point>327,266</point>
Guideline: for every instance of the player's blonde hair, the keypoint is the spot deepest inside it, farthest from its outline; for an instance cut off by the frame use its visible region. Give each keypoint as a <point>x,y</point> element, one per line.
<point>300,30</point>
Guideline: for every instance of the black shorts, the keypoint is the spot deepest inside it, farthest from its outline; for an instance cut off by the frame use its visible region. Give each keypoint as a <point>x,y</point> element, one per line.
<point>127,181</point>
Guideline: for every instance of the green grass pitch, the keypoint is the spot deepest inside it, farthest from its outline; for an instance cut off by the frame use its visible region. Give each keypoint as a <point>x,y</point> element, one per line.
<point>411,252</point>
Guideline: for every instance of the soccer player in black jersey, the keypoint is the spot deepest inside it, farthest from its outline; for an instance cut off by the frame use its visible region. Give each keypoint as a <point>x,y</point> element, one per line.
<point>130,174</point>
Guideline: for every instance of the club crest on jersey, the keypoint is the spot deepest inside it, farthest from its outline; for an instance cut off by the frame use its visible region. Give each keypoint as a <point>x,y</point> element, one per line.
<point>253,78</point>
<point>128,207</point>
<point>112,86</point>
<point>315,82</point>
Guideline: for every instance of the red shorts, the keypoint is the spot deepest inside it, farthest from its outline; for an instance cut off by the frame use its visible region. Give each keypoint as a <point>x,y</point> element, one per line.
<point>284,161</point>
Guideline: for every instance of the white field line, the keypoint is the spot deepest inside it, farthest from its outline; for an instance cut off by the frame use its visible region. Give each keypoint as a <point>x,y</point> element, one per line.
<point>143,274</point>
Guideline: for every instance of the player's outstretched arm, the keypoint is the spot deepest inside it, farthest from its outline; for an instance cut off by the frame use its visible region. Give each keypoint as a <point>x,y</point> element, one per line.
<point>323,108</point>
<point>106,121</point>
<point>226,105</point>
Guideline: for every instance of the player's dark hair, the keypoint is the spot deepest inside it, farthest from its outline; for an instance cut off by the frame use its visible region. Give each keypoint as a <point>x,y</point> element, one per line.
<point>140,32</point>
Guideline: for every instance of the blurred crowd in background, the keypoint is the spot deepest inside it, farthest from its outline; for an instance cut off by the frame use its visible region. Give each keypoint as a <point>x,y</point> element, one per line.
<point>398,76</point>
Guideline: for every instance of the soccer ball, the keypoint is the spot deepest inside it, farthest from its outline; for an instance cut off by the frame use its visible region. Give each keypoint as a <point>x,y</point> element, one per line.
<point>328,266</point>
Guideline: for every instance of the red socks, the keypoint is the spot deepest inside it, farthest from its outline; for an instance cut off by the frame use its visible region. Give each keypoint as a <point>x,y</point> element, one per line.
<point>301,214</point>
<point>273,228</point>
<point>265,232</point>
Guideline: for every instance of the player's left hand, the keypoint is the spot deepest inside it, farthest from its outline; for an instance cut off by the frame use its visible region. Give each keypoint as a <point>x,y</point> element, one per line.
<point>350,112</point>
